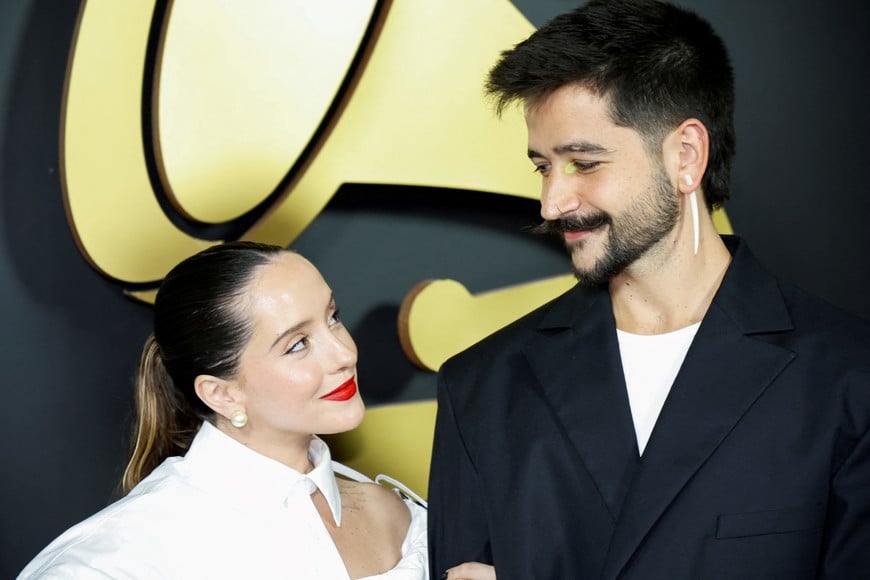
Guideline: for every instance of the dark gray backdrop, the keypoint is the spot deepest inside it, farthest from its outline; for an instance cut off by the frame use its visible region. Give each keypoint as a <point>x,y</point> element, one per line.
<point>71,340</point>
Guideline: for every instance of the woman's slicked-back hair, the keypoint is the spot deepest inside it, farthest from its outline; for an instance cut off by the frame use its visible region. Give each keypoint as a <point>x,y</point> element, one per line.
<point>658,65</point>
<point>201,327</point>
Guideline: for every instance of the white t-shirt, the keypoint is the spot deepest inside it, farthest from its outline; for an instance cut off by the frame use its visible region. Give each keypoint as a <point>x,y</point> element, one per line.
<point>221,511</point>
<point>650,364</point>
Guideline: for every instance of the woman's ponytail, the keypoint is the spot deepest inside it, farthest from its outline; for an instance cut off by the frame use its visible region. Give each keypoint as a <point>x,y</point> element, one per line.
<point>164,424</point>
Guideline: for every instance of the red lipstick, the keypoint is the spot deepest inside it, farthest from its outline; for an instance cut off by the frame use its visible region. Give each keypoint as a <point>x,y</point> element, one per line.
<point>343,392</point>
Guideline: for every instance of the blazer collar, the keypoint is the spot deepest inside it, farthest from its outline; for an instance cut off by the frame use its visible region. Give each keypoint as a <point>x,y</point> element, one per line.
<point>570,310</point>
<point>575,358</point>
<point>749,295</point>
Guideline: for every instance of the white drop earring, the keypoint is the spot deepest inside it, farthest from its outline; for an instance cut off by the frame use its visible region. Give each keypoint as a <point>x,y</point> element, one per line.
<point>693,205</point>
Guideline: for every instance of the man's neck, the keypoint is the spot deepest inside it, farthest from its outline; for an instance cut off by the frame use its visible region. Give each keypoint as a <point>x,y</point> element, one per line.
<point>666,291</point>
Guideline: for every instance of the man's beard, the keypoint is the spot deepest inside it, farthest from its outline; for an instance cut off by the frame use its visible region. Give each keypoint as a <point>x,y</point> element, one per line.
<point>630,235</point>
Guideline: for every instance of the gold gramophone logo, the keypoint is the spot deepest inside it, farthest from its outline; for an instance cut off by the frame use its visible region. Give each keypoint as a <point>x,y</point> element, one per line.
<point>188,123</point>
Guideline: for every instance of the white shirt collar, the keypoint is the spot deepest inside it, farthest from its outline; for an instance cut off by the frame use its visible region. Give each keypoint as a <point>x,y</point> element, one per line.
<point>324,477</point>
<point>228,467</point>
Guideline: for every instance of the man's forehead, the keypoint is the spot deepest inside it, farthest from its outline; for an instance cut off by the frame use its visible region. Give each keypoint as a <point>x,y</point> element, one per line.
<point>578,91</point>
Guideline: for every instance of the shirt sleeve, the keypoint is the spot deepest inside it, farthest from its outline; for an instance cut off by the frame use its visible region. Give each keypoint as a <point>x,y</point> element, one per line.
<point>413,565</point>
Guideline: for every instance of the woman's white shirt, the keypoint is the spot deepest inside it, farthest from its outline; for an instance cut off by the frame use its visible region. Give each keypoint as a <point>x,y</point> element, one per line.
<point>221,511</point>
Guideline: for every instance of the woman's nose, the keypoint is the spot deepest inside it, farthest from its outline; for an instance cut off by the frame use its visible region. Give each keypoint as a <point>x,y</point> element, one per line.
<point>343,349</point>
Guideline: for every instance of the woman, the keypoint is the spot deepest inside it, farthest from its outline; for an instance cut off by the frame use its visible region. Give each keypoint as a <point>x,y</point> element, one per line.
<point>248,360</point>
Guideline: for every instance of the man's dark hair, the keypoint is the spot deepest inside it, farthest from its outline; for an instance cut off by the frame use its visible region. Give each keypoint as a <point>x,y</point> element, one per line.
<point>658,65</point>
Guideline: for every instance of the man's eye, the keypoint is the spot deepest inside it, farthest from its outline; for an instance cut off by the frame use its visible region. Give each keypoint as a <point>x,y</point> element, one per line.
<point>582,166</point>
<point>543,168</point>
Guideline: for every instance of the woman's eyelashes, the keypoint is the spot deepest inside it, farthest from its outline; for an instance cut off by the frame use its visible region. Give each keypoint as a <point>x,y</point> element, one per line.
<point>298,345</point>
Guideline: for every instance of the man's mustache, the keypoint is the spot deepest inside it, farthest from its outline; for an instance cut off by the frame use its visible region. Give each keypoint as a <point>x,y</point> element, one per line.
<point>570,224</point>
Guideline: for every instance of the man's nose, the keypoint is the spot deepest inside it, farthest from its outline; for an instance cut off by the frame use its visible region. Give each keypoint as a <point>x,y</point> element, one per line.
<point>559,195</point>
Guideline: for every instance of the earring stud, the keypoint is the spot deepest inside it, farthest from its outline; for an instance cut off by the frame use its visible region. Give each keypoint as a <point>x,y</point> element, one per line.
<point>239,419</point>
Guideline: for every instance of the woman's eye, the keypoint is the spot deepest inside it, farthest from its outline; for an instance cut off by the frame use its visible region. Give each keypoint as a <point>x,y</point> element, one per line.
<point>334,318</point>
<point>297,346</point>
<point>543,168</point>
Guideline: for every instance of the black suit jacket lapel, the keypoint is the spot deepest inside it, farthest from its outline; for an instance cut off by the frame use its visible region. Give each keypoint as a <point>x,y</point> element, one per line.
<point>575,357</point>
<point>725,371</point>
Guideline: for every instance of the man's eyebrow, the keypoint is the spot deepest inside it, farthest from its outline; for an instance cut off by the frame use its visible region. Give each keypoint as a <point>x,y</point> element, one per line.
<point>581,147</point>
<point>574,147</point>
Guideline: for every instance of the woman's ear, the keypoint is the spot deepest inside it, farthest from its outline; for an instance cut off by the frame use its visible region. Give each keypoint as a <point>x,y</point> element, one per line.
<point>220,395</point>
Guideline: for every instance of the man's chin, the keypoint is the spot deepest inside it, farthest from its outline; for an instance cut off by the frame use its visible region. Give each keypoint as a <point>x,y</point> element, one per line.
<point>584,254</point>
<point>592,277</point>
<point>590,269</point>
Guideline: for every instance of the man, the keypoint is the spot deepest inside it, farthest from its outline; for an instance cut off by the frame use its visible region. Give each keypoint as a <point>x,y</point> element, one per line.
<point>680,413</point>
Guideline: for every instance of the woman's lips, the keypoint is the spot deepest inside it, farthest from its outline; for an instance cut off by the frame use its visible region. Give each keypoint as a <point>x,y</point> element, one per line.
<point>343,392</point>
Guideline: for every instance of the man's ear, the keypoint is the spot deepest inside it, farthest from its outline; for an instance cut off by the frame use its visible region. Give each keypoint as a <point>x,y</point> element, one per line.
<point>686,153</point>
<point>220,395</point>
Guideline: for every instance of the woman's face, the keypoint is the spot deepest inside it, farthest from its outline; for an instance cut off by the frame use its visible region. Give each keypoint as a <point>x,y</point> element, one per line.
<point>297,375</point>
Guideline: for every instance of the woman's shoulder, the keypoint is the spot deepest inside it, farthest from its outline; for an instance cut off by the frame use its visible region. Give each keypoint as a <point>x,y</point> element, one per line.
<point>401,520</point>
<point>379,504</point>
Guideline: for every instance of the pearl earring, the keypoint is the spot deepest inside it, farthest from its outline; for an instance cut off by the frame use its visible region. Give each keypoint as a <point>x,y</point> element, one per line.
<point>239,419</point>
<point>693,204</point>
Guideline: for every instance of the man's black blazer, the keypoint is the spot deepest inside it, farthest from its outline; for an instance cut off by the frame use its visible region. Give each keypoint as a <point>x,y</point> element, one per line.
<point>758,465</point>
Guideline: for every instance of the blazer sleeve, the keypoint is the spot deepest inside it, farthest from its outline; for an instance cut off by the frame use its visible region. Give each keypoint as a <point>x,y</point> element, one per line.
<point>458,529</point>
<point>846,552</point>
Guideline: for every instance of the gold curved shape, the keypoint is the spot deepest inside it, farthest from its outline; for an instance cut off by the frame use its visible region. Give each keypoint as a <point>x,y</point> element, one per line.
<point>417,116</point>
<point>441,317</point>
<point>721,222</point>
<point>108,197</point>
<point>241,89</point>
<point>408,118</point>
<point>395,440</point>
